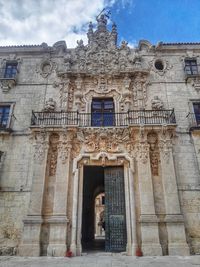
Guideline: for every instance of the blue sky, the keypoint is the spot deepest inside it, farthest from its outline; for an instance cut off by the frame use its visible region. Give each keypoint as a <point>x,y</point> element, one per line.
<point>158,20</point>
<point>37,21</point>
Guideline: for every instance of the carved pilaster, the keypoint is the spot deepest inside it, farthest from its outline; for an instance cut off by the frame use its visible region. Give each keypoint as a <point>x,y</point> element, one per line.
<point>140,90</point>
<point>66,93</point>
<point>176,232</point>
<point>153,152</point>
<point>30,245</point>
<point>59,220</point>
<point>41,146</point>
<point>149,229</point>
<point>78,93</point>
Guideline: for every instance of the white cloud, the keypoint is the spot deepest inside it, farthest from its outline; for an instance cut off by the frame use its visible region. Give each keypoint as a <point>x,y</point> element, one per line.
<point>37,21</point>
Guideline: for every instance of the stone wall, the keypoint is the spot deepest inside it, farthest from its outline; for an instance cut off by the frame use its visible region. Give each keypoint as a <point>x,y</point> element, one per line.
<point>53,72</point>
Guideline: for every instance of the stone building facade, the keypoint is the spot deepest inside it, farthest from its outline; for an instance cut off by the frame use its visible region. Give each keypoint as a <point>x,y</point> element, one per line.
<point>100,118</point>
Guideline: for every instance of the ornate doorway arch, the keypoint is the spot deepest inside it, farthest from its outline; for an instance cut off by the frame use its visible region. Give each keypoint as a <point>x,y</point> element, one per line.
<point>103,159</point>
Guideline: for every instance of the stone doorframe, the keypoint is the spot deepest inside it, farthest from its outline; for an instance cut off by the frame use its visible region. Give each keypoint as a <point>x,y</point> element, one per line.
<point>102,159</point>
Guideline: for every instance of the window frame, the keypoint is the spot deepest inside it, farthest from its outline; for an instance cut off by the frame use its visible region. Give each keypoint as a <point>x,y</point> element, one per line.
<point>8,72</point>
<point>11,105</point>
<point>191,69</point>
<point>103,112</point>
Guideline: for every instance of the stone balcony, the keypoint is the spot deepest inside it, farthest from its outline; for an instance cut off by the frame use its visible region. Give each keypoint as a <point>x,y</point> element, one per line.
<point>122,119</point>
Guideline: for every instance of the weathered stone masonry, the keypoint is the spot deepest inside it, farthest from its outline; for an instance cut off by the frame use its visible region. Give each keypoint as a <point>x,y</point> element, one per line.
<point>154,136</point>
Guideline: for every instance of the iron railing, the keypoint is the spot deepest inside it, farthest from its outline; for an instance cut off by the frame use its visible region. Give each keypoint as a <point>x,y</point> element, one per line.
<point>194,120</point>
<point>152,117</point>
<point>54,118</point>
<point>122,119</point>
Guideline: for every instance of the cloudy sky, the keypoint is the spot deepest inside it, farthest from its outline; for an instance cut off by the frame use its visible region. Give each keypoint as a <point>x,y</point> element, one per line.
<point>37,21</point>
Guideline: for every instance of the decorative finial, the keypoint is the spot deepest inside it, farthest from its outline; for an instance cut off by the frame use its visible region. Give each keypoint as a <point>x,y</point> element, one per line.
<point>114,28</point>
<point>90,30</point>
<point>102,19</point>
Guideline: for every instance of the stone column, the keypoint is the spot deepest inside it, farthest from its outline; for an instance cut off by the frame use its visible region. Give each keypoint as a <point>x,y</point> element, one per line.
<point>30,245</point>
<point>177,244</point>
<point>74,212</point>
<point>134,243</point>
<point>148,218</point>
<point>58,221</point>
<point>80,209</point>
<point>127,206</point>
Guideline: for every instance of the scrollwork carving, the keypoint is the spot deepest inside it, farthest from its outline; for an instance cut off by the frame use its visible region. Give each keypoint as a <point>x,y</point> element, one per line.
<point>46,67</point>
<point>153,152</point>
<point>142,152</point>
<point>41,146</point>
<point>165,148</point>
<point>140,84</point>
<point>102,140</point>
<point>53,153</point>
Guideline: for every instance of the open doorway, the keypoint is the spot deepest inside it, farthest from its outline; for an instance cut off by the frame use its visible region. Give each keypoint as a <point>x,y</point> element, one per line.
<point>93,192</point>
<point>103,214</point>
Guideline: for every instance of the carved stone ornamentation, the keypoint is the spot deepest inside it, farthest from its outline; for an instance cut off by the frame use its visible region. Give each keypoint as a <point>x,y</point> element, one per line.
<point>157,103</point>
<point>65,146</point>
<point>101,55</point>
<point>78,92</point>
<point>41,145</point>
<point>153,152</point>
<point>53,154</point>
<point>66,94</point>
<point>67,62</point>
<point>46,67</point>
<point>140,83</point>
<point>126,101</point>
<point>50,105</point>
<point>7,84</point>
<point>165,148</point>
<point>102,140</point>
<point>142,152</point>
<point>160,66</point>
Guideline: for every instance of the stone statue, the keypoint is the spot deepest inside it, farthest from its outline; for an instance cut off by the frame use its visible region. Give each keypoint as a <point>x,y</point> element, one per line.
<point>157,103</point>
<point>124,45</point>
<point>50,105</point>
<point>68,61</point>
<point>80,44</point>
<point>102,22</point>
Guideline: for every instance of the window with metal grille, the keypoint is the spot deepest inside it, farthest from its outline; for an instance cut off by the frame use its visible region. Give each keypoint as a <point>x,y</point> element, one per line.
<point>191,67</point>
<point>4,116</point>
<point>102,112</point>
<point>10,70</point>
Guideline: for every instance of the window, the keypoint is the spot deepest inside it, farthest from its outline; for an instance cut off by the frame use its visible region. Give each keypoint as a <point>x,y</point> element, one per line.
<point>4,116</point>
<point>10,70</point>
<point>102,112</point>
<point>191,67</point>
<point>159,65</point>
<point>196,107</point>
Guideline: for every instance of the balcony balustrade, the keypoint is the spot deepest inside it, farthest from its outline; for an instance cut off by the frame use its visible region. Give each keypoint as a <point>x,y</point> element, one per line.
<point>106,119</point>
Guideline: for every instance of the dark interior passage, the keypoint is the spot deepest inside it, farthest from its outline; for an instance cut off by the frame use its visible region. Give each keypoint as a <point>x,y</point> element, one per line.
<point>93,184</point>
